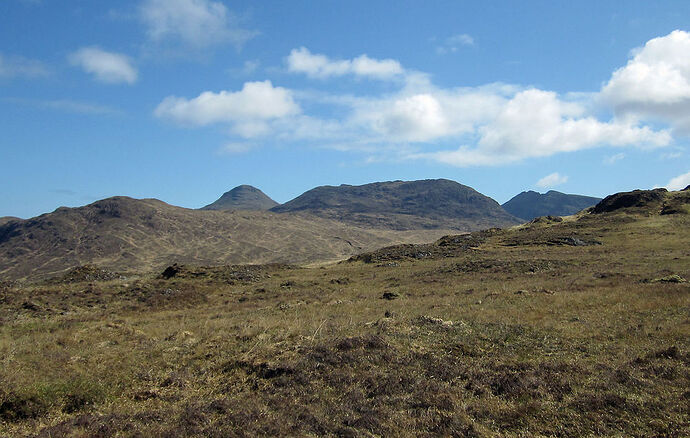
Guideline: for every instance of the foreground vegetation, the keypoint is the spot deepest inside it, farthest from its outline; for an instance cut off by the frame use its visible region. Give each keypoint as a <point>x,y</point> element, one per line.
<point>555,328</point>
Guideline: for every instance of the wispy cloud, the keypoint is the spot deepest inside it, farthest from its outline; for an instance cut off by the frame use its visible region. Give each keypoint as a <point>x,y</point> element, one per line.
<point>612,159</point>
<point>454,43</point>
<point>249,110</point>
<point>108,67</point>
<point>320,66</point>
<point>12,66</point>
<point>194,23</point>
<point>552,180</point>
<point>235,148</point>
<point>248,68</point>
<point>66,105</point>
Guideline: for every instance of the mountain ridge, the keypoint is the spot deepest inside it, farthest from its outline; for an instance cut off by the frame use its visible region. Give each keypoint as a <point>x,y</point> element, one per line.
<point>403,205</point>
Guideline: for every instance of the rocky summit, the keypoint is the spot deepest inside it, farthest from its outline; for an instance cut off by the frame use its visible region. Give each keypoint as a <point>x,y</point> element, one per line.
<point>242,197</point>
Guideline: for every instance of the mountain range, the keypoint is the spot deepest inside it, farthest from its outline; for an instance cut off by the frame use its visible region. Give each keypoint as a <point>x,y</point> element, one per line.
<point>124,234</point>
<point>244,226</point>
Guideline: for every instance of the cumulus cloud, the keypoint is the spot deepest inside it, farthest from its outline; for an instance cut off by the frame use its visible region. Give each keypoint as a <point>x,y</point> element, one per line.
<point>320,66</point>
<point>534,123</point>
<point>18,66</point>
<point>552,180</point>
<point>106,67</point>
<point>414,118</point>
<point>680,182</point>
<point>197,23</point>
<point>655,83</point>
<point>249,110</point>
<point>454,43</point>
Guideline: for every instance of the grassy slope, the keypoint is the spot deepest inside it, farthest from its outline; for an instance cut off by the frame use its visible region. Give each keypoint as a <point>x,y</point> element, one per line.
<point>588,346</point>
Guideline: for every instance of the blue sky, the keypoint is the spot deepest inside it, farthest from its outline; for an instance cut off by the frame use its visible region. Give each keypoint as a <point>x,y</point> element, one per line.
<point>181,100</point>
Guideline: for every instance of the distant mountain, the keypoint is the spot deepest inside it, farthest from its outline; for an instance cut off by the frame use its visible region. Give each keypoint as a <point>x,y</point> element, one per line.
<point>242,197</point>
<point>403,205</point>
<point>123,234</point>
<point>5,219</point>
<point>529,205</point>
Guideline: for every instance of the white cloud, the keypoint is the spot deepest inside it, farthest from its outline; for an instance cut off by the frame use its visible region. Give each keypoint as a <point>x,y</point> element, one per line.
<point>414,118</point>
<point>486,125</point>
<point>249,110</point>
<point>18,66</point>
<point>429,115</point>
<point>453,43</point>
<point>197,23</point>
<point>320,66</point>
<point>552,180</point>
<point>530,123</point>
<point>680,182</point>
<point>107,67</point>
<point>536,123</point>
<point>655,83</point>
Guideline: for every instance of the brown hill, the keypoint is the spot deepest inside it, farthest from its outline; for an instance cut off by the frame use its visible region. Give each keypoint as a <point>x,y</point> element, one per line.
<point>122,233</point>
<point>403,205</point>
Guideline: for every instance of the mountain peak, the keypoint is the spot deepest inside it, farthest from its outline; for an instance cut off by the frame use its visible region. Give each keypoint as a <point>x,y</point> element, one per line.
<point>531,204</point>
<point>243,197</point>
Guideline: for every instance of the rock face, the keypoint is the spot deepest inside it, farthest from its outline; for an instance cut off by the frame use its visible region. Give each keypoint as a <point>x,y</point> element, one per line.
<point>530,205</point>
<point>242,197</point>
<point>403,205</point>
<point>647,199</point>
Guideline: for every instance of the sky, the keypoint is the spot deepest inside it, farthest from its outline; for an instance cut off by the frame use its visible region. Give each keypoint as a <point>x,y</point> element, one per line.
<point>182,100</point>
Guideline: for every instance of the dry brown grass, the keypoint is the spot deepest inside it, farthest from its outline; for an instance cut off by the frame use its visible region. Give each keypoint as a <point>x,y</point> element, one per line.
<point>514,337</point>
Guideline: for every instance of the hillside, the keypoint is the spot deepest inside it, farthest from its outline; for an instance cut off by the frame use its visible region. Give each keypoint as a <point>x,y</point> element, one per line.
<point>557,327</point>
<point>128,234</point>
<point>403,205</point>
<point>242,197</point>
<point>530,205</point>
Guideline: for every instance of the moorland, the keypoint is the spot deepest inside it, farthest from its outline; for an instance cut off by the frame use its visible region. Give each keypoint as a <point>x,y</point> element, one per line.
<point>562,326</point>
